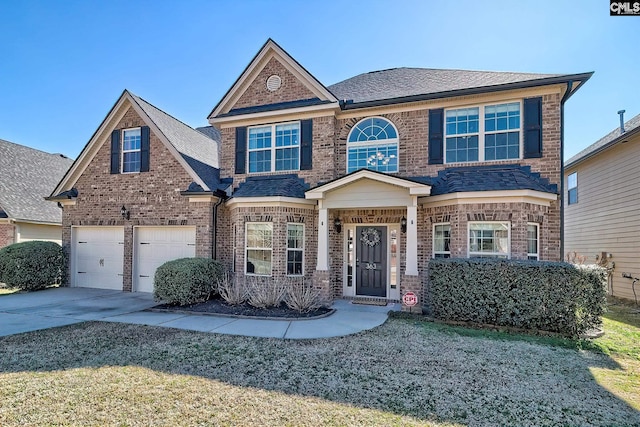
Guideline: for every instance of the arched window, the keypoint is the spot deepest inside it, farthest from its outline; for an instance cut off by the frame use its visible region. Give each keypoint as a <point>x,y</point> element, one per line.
<point>373,144</point>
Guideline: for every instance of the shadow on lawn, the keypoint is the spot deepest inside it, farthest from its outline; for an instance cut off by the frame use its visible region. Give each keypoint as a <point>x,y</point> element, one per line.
<point>414,368</point>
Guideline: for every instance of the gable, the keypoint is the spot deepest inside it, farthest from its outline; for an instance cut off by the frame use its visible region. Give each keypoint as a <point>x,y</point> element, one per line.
<point>292,83</point>
<point>189,148</point>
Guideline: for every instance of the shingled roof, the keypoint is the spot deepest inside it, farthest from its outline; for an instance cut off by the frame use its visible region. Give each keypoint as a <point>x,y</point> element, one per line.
<point>197,148</point>
<point>27,176</point>
<point>631,127</point>
<point>488,178</point>
<point>399,83</point>
<point>287,185</point>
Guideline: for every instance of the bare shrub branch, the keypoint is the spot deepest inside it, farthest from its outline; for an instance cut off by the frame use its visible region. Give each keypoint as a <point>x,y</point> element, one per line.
<point>264,292</point>
<point>231,290</point>
<point>303,297</point>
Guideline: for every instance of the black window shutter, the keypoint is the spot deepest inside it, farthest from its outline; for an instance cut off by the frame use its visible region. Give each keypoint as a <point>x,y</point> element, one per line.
<point>144,149</point>
<point>306,144</point>
<point>241,149</point>
<point>532,128</point>
<point>115,151</point>
<point>436,129</point>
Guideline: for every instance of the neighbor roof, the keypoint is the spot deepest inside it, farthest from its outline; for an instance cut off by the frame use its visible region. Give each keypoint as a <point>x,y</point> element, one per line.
<point>631,127</point>
<point>427,83</point>
<point>27,176</point>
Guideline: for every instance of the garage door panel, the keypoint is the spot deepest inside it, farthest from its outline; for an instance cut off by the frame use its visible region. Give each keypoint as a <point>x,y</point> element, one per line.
<point>98,255</point>
<point>157,245</point>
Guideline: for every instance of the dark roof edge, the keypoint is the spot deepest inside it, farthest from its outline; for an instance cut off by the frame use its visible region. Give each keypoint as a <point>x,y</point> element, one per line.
<point>582,77</point>
<point>217,193</point>
<point>606,146</point>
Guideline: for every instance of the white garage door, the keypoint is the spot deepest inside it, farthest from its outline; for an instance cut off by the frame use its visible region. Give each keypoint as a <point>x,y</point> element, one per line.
<point>98,254</point>
<point>156,245</point>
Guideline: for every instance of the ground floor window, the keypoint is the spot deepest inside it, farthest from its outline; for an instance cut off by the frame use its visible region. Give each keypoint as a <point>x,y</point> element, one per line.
<point>489,239</point>
<point>532,241</point>
<point>259,247</point>
<point>295,249</point>
<point>442,240</point>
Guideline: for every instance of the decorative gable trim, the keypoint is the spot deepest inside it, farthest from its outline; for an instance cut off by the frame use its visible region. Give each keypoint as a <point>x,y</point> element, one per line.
<point>104,135</point>
<point>268,51</point>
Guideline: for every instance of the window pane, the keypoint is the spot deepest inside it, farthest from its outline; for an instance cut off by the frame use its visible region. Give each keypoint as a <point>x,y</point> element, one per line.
<point>259,161</point>
<point>382,158</point>
<point>462,121</point>
<point>259,261</point>
<point>372,129</point>
<point>489,239</point>
<point>441,238</point>
<point>131,140</point>
<point>131,162</point>
<point>295,234</point>
<point>287,135</point>
<point>287,159</point>
<point>572,180</point>
<point>259,235</point>
<point>259,138</point>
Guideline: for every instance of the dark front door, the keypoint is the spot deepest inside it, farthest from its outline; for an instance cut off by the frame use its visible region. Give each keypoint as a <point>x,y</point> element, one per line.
<point>371,261</point>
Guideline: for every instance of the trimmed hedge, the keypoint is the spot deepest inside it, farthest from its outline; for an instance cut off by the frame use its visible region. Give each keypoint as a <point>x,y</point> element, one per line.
<point>549,296</point>
<point>187,280</point>
<point>31,266</point>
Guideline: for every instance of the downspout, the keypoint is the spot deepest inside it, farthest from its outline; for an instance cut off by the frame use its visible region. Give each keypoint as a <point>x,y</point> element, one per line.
<point>214,229</point>
<point>564,99</point>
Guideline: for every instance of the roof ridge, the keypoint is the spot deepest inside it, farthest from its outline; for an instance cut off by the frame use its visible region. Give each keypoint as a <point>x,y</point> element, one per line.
<point>136,97</point>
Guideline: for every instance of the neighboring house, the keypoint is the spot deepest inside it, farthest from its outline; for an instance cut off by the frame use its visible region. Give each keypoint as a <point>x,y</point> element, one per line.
<point>353,186</point>
<point>27,176</point>
<point>601,206</point>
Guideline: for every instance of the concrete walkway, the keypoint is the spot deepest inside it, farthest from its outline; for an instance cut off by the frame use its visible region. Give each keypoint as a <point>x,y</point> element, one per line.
<point>64,306</point>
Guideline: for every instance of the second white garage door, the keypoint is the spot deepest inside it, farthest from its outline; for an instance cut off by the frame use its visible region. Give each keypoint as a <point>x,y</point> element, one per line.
<point>153,246</point>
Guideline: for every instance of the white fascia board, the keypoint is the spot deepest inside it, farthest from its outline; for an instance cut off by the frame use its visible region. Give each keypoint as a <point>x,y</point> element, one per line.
<point>415,189</point>
<point>300,113</point>
<point>506,196</point>
<point>269,201</point>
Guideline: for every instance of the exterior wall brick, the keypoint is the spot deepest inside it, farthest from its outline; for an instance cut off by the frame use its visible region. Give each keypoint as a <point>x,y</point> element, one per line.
<point>291,89</point>
<point>7,234</point>
<point>153,198</point>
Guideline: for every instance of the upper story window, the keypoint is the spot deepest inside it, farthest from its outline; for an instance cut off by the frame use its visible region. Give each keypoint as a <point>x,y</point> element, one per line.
<point>274,148</point>
<point>483,133</point>
<point>572,188</point>
<point>373,144</point>
<point>131,139</point>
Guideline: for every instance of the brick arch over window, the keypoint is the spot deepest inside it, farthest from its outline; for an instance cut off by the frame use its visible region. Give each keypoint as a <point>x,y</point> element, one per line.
<point>373,143</point>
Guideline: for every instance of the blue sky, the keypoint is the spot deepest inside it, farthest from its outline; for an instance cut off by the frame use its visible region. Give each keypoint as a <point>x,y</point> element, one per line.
<point>63,64</point>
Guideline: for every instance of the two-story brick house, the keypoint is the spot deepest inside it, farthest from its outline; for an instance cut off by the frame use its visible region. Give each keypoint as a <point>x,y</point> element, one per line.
<point>356,186</point>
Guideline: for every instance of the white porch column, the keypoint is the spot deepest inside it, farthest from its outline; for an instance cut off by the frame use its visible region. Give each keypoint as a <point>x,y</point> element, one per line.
<point>323,238</point>
<point>412,238</point>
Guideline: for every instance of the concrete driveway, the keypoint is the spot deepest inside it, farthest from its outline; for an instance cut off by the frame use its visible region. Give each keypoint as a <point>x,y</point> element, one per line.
<point>64,306</point>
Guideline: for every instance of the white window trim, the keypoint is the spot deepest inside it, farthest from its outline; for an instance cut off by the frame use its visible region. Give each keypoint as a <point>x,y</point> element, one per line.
<point>247,248</point>
<point>273,148</point>
<point>123,151</point>
<point>295,250</point>
<point>382,143</point>
<point>481,132</point>
<point>496,254</point>
<point>537,254</point>
<point>433,239</point>
<point>575,187</point>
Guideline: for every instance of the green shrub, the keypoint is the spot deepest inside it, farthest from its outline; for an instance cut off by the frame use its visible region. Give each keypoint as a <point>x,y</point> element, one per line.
<point>549,296</point>
<point>187,280</point>
<point>31,266</point>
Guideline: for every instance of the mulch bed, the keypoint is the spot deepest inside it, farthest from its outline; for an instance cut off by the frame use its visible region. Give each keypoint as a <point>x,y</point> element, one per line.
<point>217,306</point>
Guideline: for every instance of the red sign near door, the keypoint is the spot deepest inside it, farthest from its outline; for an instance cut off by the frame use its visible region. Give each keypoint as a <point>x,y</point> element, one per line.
<point>410,299</point>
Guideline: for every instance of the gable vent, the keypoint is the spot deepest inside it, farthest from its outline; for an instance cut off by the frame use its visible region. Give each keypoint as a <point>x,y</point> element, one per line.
<point>273,83</point>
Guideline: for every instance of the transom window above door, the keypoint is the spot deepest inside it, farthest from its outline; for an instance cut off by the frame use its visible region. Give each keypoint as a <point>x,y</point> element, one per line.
<point>483,133</point>
<point>274,148</point>
<point>373,144</point>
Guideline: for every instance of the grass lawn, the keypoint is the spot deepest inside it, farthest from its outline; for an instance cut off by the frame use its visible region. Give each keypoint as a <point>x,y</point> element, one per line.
<point>406,372</point>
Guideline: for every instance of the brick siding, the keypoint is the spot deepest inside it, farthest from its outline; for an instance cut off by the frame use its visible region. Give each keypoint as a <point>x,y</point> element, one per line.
<point>7,234</point>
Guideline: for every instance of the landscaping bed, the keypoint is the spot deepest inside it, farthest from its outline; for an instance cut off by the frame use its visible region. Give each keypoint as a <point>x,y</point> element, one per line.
<point>217,306</point>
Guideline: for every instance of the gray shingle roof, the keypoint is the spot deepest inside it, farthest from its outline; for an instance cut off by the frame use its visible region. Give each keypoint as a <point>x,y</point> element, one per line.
<point>404,82</point>
<point>27,176</point>
<point>488,178</point>
<point>196,147</point>
<point>633,125</point>
<point>288,185</point>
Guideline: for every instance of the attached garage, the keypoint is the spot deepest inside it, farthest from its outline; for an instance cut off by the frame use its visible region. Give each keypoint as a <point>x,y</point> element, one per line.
<point>97,257</point>
<point>153,246</point>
